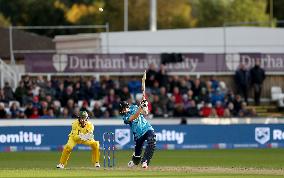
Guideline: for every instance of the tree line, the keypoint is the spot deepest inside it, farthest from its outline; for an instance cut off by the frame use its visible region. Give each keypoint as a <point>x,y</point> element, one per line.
<point>171,14</point>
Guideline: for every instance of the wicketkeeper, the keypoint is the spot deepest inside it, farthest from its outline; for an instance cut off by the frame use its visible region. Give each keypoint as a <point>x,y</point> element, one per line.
<point>142,130</point>
<point>81,133</point>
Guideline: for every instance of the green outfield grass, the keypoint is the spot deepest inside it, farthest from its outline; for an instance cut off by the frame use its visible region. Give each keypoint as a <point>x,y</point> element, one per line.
<point>183,163</point>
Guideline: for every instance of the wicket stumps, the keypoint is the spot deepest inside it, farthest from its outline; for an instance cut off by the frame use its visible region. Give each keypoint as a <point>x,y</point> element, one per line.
<point>108,146</point>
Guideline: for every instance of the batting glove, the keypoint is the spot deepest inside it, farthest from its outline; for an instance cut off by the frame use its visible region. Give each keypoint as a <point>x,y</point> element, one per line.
<point>144,103</point>
<point>89,136</point>
<point>83,137</point>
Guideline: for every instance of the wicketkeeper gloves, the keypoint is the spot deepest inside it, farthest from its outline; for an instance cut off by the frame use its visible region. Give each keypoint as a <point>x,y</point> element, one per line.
<point>86,137</point>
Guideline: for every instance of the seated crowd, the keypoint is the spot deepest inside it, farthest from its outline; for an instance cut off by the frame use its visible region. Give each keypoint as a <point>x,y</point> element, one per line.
<point>168,96</point>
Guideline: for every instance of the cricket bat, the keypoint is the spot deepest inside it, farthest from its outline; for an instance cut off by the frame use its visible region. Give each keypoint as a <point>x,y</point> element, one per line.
<point>144,85</point>
<point>145,109</point>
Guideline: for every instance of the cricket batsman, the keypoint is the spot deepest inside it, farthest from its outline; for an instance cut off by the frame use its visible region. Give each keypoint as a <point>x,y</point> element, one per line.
<point>81,133</point>
<point>142,130</point>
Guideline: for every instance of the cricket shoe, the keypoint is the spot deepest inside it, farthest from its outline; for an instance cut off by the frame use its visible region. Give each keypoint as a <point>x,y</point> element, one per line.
<point>130,164</point>
<point>60,166</point>
<point>97,165</point>
<point>145,165</point>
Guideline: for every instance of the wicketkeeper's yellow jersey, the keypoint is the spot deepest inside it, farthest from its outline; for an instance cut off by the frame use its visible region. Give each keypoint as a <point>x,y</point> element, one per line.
<point>77,129</point>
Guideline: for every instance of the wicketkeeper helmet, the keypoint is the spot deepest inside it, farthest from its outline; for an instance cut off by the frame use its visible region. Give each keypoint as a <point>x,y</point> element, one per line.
<point>83,114</point>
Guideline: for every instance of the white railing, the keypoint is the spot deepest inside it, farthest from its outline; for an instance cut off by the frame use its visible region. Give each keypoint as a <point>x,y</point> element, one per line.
<point>7,73</point>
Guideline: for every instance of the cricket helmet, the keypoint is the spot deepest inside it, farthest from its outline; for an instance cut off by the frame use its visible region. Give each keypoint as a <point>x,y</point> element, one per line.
<point>122,106</point>
<point>83,114</point>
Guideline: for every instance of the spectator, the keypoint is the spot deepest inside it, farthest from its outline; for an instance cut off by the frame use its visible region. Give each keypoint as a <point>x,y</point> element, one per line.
<point>42,95</point>
<point>174,82</point>
<point>257,77</point>
<point>103,92</point>
<point>43,109</point>
<point>151,75</point>
<point>223,87</point>
<point>36,103</point>
<point>65,113</point>
<point>3,113</point>
<point>209,86</point>
<point>219,109</point>
<point>27,82</point>
<point>70,106</point>
<point>22,115</point>
<point>157,109</point>
<point>2,96</point>
<point>29,110</point>
<point>190,95</point>
<point>79,91</point>
<point>213,113</point>
<point>85,107</point>
<point>179,111</point>
<point>171,105</point>
<point>89,91</point>
<point>49,100</point>
<point>232,110</point>
<point>192,111</point>
<point>8,92</point>
<point>229,97</point>
<point>51,113</point>
<point>56,108</point>
<point>60,92</point>
<point>49,90</point>
<point>162,76</point>
<point>218,95</point>
<point>110,99</point>
<point>125,95</point>
<point>178,97</point>
<point>40,82</point>
<point>106,114</point>
<point>214,83</point>
<point>206,110</point>
<point>164,99</point>
<point>204,95</point>
<point>68,95</point>
<point>20,92</point>
<point>98,113</point>
<point>189,82</point>
<point>197,88</point>
<point>35,90</point>
<point>97,88</point>
<point>183,87</point>
<point>35,114</point>
<point>186,102</point>
<point>253,112</point>
<point>155,89</point>
<point>110,110</point>
<point>242,80</point>
<point>14,110</point>
<point>108,82</point>
<point>48,115</point>
<point>227,113</point>
<point>244,112</point>
<point>237,103</point>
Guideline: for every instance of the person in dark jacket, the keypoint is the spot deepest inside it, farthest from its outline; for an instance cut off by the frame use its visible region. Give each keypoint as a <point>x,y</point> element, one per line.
<point>151,75</point>
<point>242,80</point>
<point>257,77</point>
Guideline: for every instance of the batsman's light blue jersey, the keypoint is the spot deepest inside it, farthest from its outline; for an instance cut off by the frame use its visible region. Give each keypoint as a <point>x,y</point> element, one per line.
<point>138,126</point>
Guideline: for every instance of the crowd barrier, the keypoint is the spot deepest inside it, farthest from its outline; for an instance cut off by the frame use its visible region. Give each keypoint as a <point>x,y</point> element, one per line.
<point>46,137</point>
